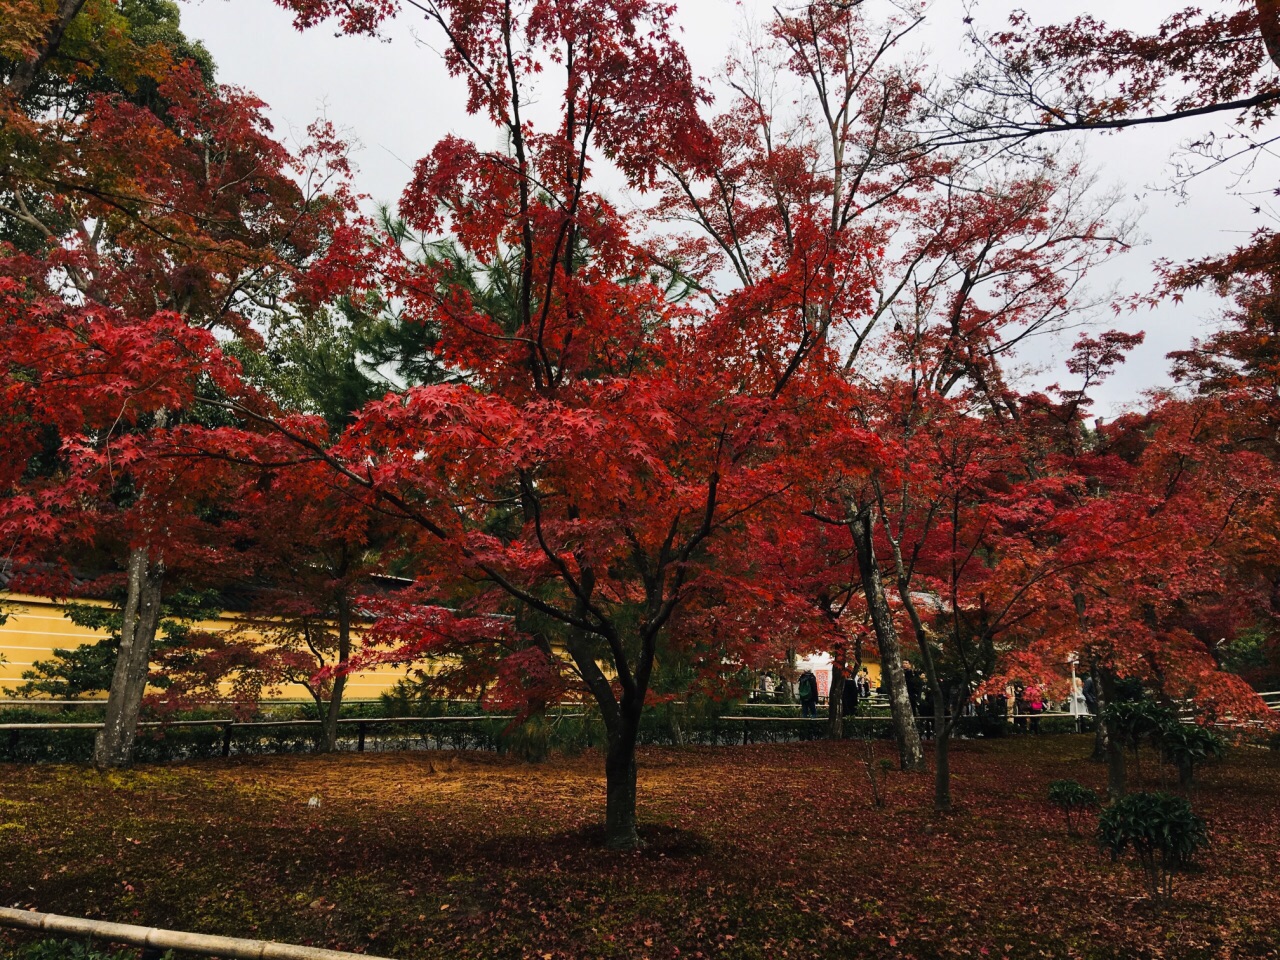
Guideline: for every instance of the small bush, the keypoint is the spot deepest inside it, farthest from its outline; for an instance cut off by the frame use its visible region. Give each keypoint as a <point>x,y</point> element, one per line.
<point>1066,725</point>
<point>1162,831</point>
<point>1186,745</point>
<point>868,728</point>
<point>1071,798</point>
<point>530,740</point>
<point>757,709</point>
<point>1132,721</point>
<point>71,950</point>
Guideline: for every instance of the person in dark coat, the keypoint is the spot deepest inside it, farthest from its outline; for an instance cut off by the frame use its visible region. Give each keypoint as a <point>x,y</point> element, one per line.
<point>913,686</point>
<point>808,690</point>
<point>849,697</point>
<point>1020,708</point>
<point>1090,691</point>
<point>926,711</point>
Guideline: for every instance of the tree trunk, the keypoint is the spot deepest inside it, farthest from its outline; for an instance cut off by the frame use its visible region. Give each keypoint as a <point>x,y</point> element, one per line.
<point>787,686</point>
<point>941,730</point>
<point>113,746</point>
<point>1100,734</point>
<point>1113,748</point>
<point>835,702</point>
<point>910,753</point>
<point>1186,775</point>
<point>620,782</point>
<point>942,772</point>
<point>329,740</point>
<point>622,727</point>
<point>1269,26</point>
<point>25,72</point>
<point>942,755</point>
<point>677,725</point>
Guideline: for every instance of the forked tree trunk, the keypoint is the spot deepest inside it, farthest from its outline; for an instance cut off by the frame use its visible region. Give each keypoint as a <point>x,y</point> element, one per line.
<point>620,781</point>
<point>622,728</point>
<point>910,753</point>
<point>329,738</point>
<point>941,730</point>
<point>113,746</point>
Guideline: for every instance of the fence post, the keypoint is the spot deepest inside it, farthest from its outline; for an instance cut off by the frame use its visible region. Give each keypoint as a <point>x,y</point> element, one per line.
<point>360,742</point>
<point>226,740</point>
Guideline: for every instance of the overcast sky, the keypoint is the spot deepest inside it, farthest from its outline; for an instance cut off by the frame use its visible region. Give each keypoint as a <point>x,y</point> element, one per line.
<point>393,97</point>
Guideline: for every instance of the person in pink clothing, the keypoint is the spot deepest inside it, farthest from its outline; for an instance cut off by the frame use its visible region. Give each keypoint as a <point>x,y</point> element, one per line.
<point>1035,705</point>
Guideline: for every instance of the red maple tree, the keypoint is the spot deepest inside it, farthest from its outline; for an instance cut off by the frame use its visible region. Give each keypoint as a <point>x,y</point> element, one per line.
<point>145,209</point>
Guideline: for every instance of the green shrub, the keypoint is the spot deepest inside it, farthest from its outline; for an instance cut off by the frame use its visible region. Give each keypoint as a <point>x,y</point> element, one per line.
<point>781,710</point>
<point>1063,725</point>
<point>986,725</point>
<point>1071,797</point>
<point>70,950</point>
<point>1132,721</point>
<point>442,724</point>
<point>410,698</point>
<point>676,722</point>
<point>1187,745</point>
<point>1162,831</point>
<point>47,746</point>
<point>530,740</point>
<point>869,728</point>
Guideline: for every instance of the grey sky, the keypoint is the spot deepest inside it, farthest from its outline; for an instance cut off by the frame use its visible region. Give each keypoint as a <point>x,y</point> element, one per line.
<point>394,97</point>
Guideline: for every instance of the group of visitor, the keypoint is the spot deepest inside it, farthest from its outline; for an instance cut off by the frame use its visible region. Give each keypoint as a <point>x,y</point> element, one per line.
<point>921,696</point>
<point>857,687</point>
<point>1028,704</point>
<point>1021,703</point>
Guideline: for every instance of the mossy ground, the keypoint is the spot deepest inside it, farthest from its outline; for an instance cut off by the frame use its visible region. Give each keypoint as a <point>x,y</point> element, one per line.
<point>753,852</point>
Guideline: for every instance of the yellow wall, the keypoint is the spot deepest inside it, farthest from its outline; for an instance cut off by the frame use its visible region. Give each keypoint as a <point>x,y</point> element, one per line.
<point>36,626</point>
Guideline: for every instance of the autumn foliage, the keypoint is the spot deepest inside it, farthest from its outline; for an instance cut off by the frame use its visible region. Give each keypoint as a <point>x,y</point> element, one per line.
<point>647,452</point>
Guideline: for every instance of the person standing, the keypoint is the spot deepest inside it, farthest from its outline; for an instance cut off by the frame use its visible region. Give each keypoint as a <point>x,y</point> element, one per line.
<point>913,686</point>
<point>849,695</point>
<point>863,683</point>
<point>1020,707</point>
<point>808,690</point>
<point>1090,691</point>
<point>1035,705</point>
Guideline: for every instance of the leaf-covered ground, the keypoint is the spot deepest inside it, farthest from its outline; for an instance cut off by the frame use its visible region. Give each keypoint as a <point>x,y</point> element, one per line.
<point>767,851</point>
